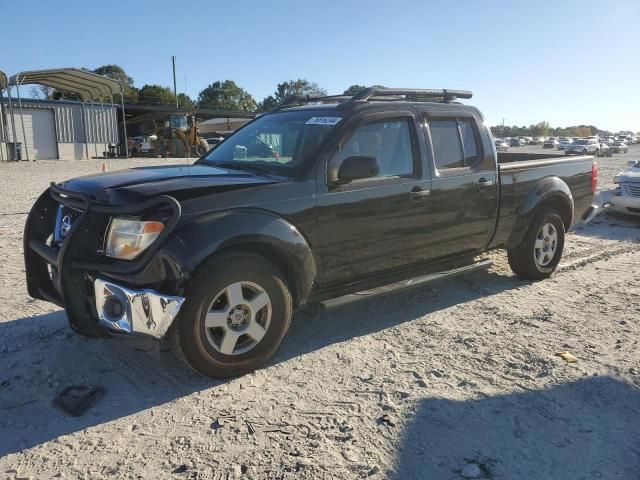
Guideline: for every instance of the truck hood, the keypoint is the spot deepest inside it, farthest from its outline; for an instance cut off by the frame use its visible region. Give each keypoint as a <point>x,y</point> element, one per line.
<point>136,185</point>
<point>630,175</point>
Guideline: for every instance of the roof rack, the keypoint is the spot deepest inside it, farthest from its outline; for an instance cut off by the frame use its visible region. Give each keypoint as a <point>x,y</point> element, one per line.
<point>301,100</point>
<point>447,95</point>
<point>380,94</point>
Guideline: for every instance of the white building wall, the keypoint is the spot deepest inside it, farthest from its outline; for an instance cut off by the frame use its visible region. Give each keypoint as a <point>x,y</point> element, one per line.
<point>80,130</point>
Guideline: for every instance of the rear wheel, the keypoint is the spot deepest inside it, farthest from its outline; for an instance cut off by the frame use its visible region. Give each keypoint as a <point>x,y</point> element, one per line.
<point>202,147</point>
<point>540,251</point>
<point>237,310</point>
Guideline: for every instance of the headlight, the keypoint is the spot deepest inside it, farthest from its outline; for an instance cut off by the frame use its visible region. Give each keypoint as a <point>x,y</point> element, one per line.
<point>127,239</point>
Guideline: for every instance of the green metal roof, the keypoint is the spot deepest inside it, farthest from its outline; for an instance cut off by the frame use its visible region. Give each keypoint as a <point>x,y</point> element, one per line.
<point>87,85</point>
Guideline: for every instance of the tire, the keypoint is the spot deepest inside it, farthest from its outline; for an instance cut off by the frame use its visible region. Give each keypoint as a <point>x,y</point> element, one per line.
<point>202,147</point>
<point>211,291</point>
<point>524,259</point>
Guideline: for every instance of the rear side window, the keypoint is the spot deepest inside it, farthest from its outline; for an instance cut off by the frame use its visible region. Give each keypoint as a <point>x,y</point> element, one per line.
<point>446,144</point>
<point>455,143</point>
<point>469,143</point>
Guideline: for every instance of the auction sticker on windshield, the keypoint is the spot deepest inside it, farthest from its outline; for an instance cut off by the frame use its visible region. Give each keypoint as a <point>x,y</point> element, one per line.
<point>323,121</point>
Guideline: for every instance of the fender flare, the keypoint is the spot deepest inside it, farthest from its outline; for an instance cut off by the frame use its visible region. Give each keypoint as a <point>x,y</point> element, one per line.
<point>549,189</point>
<point>260,231</point>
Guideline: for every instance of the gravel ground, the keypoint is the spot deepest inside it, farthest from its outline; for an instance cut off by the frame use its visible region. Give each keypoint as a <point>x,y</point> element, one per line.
<point>435,383</point>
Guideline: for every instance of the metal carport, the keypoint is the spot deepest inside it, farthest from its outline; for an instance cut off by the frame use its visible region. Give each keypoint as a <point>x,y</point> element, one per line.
<point>4,83</point>
<point>86,85</point>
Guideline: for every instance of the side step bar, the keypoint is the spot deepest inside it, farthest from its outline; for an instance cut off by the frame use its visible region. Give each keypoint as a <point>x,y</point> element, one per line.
<point>406,284</point>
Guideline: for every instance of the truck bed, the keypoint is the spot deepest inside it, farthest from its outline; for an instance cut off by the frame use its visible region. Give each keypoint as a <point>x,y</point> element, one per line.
<point>508,157</point>
<point>519,173</point>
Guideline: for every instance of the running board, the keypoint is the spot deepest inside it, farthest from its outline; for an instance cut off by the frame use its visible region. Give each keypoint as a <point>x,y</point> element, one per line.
<point>406,284</point>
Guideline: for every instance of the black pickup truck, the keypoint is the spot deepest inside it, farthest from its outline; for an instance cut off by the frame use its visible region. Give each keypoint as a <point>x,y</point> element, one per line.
<point>319,200</point>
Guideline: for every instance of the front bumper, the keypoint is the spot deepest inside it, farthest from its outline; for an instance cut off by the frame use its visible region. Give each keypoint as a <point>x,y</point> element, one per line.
<point>623,204</point>
<point>65,273</point>
<point>134,312</point>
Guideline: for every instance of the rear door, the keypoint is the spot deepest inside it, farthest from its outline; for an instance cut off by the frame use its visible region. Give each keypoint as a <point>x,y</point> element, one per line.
<point>464,190</point>
<point>378,224</point>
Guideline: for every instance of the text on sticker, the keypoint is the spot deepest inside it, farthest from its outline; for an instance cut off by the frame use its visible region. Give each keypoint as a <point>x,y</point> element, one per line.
<point>323,120</point>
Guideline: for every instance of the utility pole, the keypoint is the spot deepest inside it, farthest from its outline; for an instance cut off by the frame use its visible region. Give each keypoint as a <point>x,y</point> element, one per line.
<point>175,90</point>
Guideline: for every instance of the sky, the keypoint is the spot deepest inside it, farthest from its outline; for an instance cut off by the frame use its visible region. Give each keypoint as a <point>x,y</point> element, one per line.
<point>567,62</point>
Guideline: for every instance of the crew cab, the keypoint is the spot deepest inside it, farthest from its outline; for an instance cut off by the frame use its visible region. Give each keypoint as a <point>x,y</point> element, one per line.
<point>317,201</point>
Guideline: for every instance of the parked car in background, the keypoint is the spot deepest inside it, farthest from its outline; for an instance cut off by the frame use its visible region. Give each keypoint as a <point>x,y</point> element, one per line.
<point>517,142</point>
<point>626,197</point>
<point>563,142</point>
<point>620,146</point>
<point>609,140</point>
<point>537,141</point>
<point>605,150</point>
<point>550,143</point>
<point>583,146</point>
<point>501,145</point>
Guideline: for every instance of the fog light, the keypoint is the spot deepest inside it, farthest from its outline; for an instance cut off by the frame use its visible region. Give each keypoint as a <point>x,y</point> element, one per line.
<point>113,308</point>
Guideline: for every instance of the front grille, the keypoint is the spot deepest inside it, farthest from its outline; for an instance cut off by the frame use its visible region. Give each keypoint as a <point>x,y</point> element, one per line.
<point>633,190</point>
<point>64,220</point>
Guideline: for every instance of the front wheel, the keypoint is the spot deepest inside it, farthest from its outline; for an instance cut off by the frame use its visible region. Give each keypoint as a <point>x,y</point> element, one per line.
<point>237,311</point>
<point>540,251</point>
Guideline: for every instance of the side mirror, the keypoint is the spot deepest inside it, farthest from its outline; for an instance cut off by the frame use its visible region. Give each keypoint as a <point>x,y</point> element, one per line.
<point>357,167</point>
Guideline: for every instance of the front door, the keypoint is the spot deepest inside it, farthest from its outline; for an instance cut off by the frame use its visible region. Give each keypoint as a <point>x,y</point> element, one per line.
<point>378,224</point>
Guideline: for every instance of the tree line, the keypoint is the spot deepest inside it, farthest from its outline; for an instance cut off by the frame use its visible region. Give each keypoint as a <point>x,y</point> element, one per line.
<point>225,95</point>
<point>543,129</point>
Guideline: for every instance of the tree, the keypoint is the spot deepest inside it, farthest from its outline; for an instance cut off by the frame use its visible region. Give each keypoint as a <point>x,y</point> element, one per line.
<point>227,96</point>
<point>267,104</point>
<point>353,89</point>
<point>156,95</point>
<point>116,72</point>
<point>297,88</point>
<point>540,129</point>
<point>41,92</point>
<point>292,88</point>
<point>184,101</point>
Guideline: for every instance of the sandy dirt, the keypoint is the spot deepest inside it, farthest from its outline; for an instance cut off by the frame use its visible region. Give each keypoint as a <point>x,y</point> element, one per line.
<point>433,383</point>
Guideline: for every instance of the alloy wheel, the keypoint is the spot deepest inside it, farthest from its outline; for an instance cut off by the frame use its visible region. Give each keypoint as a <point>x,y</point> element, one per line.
<point>238,318</point>
<point>546,244</point>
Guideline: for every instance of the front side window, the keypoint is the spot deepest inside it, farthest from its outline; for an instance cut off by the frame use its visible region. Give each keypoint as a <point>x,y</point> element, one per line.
<point>388,141</point>
<point>277,141</point>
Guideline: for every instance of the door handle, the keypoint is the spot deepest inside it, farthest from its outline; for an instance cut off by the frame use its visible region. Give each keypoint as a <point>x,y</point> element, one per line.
<point>417,193</point>
<point>483,182</point>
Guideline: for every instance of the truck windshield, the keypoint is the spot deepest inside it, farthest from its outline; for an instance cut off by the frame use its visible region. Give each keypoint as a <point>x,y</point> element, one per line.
<point>276,141</point>
<point>580,142</point>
